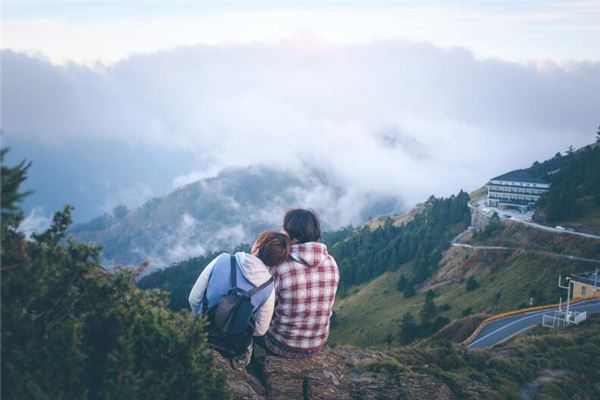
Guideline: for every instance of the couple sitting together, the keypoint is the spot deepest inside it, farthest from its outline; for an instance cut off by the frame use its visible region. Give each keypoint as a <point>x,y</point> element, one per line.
<point>289,283</point>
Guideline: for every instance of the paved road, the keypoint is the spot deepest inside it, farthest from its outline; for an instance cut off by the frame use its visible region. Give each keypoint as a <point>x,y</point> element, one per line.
<point>522,220</point>
<point>551,229</point>
<point>500,330</point>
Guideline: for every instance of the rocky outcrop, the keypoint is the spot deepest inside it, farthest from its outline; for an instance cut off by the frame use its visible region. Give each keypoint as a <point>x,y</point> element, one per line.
<point>333,374</point>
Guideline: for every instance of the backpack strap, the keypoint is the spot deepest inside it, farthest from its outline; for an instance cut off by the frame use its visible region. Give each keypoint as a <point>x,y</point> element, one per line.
<point>233,273</point>
<point>234,280</point>
<point>261,287</point>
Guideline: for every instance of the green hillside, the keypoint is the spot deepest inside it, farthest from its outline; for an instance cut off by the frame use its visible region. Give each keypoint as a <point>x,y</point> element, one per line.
<point>361,254</point>
<point>505,280</point>
<point>543,364</point>
<point>574,197</point>
<point>421,240</point>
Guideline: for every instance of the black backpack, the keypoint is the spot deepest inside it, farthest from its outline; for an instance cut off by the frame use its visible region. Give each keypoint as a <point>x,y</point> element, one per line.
<point>231,322</point>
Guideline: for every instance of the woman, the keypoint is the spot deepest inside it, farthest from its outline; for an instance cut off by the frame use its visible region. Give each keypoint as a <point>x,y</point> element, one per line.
<point>270,249</point>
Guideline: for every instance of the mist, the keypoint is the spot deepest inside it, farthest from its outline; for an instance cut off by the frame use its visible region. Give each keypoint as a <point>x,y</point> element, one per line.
<point>384,119</point>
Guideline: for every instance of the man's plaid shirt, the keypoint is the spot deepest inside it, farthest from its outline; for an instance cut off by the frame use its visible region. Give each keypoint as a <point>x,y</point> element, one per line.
<point>305,291</point>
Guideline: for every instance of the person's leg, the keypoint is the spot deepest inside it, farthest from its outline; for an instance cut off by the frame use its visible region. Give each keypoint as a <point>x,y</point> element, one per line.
<point>260,341</point>
<point>242,360</point>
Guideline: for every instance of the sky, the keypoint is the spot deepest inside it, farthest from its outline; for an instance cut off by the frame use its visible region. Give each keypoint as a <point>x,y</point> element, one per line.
<point>107,31</point>
<point>116,102</point>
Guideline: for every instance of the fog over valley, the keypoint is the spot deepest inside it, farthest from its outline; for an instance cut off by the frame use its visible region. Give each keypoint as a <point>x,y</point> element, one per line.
<point>387,122</point>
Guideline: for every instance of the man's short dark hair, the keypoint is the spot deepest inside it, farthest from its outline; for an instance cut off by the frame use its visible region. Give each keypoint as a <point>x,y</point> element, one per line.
<point>302,225</point>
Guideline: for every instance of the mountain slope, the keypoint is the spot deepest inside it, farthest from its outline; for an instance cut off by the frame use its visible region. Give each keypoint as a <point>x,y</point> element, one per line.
<point>222,212</point>
<point>543,364</point>
<point>574,197</point>
<point>506,279</point>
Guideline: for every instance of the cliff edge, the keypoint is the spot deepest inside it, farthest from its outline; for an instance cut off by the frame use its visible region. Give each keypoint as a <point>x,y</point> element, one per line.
<point>338,374</point>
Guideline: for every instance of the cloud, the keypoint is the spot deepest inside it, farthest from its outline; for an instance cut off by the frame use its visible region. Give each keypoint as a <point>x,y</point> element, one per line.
<point>36,222</point>
<point>394,119</point>
<point>131,196</point>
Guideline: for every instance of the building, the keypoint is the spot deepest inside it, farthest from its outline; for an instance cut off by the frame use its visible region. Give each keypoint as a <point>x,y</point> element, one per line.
<point>586,284</point>
<point>516,190</point>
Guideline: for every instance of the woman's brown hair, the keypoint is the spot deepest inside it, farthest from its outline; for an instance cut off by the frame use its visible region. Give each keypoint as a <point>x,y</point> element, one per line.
<point>273,248</point>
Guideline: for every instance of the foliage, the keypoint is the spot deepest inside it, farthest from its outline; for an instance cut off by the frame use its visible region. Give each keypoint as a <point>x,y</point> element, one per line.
<point>471,284</point>
<point>11,197</point>
<point>409,290</point>
<point>429,308</point>
<point>369,253</point>
<point>569,354</point>
<point>401,284</point>
<point>408,329</point>
<point>575,185</point>
<point>332,237</point>
<point>70,329</point>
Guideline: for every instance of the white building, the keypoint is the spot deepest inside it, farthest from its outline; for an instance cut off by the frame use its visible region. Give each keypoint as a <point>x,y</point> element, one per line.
<point>516,189</point>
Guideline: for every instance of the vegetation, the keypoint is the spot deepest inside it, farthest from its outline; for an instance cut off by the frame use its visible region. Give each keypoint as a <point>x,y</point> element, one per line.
<point>361,254</point>
<point>491,228</point>
<point>519,236</point>
<point>548,364</point>
<point>506,280</point>
<point>575,189</point>
<point>177,280</point>
<point>471,284</point>
<point>70,329</point>
<point>369,253</point>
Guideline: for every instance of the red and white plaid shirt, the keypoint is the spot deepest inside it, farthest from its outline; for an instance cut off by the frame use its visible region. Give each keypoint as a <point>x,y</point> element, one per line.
<point>305,289</point>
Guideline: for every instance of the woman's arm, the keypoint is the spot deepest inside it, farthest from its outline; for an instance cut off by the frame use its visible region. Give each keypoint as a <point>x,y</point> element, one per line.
<point>197,293</point>
<point>263,315</point>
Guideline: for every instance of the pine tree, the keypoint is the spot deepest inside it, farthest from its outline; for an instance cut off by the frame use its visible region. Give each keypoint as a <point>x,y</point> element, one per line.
<point>429,308</point>
<point>408,329</point>
<point>402,281</point>
<point>409,290</point>
<point>471,284</point>
<point>71,329</point>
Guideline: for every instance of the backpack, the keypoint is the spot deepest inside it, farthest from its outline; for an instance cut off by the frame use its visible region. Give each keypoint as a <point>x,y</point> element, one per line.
<point>231,322</point>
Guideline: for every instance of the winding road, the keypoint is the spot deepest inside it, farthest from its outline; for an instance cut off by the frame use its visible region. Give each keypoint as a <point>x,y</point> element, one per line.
<point>503,329</point>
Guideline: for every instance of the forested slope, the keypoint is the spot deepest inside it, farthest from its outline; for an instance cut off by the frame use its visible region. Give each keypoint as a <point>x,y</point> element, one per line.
<point>575,192</point>
<point>70,329</point>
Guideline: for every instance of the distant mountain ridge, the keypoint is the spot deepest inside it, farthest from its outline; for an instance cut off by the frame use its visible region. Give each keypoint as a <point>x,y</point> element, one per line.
<point>221,212</point>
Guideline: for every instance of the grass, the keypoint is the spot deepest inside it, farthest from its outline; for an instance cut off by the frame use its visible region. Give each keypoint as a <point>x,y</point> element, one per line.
<point>559,364</point>
<point>590,221</point>
<point>514,234</point>
<point>371,316</point>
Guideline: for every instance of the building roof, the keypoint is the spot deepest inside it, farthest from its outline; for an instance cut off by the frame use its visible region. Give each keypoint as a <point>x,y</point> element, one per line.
<point>519,175</point>
<point>591,278</point>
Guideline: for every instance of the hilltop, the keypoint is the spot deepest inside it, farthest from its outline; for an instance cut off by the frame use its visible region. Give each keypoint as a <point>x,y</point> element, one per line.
<point>218,213</point>
<point>474,278</point>
<point>541,364</point>
<point>410,290</point>
<point>506,280</point>
<point>403,264</point>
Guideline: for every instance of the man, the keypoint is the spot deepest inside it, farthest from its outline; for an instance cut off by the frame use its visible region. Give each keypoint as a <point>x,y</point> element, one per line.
<point>305,288</point>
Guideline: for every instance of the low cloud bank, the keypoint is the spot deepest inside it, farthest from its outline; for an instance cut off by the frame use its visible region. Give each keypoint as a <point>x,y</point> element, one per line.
<point>385,119</point>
